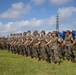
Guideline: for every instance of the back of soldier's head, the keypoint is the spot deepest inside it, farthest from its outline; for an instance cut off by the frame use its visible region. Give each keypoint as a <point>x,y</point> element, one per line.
<point>24,34</point>
<point>43,32</point>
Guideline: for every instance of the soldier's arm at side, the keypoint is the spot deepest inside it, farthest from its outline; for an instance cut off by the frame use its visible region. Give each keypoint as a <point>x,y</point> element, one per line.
<point>64,42</point>
<point>38,43</point>
<point>73,42</point>
<point>31,42</point>
<point>48,42</point>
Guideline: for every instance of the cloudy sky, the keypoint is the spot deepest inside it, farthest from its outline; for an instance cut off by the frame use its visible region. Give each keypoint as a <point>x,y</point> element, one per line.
<point>22,15</point>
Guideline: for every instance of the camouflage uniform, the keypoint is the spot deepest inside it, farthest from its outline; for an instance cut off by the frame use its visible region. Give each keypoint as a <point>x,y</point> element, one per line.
<point>42,46</point>
<point>55,48</point>
<point>24,46</point>
<point>48,47</point>
<point>36,48</point>
<point>68,48</point>
<point>29,45</point>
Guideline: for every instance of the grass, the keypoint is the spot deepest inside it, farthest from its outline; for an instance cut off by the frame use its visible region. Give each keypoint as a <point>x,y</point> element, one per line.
<point>13,64</point>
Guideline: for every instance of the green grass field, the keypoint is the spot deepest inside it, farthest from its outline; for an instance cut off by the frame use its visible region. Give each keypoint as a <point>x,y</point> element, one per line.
<point>11,64</point>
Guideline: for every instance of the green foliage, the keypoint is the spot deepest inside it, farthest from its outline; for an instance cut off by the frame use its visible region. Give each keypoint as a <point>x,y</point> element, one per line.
<point>13,64</point>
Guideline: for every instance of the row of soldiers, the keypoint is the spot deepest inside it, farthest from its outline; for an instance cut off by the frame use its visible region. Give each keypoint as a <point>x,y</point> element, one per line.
<point>49,47</point>
<point>3,44</point>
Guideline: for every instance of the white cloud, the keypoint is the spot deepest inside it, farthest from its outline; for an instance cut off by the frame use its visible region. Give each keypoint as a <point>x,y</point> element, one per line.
<point>33,24</point>
<point>48,24</point>
<point>38,2</point>
<point>66,12</point>
<point>67,27</point>
<point>16,11</point>
<point>59,2</point>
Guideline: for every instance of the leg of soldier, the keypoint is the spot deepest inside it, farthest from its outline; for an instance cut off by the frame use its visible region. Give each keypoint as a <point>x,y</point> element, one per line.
<point>56,55</point>
<point>23,50</point>
<point>52,54</point>
<point>8,48</point>
<point>74,51</point>
<point>75,54</point>
<point>48,53</point>
<point>38,53</point>
<point>18,47</point>
<point>63,52</point>
<point>29,48</point>
<point>69,52</point>
<point>60,52</point>
<point>15,48</point>
<point>31,51</point>
<point>35,52</point>
<point>26,51</point>
<point>72,55</point>
<point>0,46</point>
<point>66,53</point>
<point>43,53</point>
<point>11,48</point>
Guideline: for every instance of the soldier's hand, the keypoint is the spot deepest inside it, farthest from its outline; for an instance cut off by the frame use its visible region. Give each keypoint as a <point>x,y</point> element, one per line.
<point>35,44</point>
<point>45,45</point>
<point>71,45</point>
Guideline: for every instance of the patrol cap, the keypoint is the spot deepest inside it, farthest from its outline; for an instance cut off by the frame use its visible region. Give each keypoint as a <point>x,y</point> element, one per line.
<point>35,32</point>
<point>68,31</point>
<point>20,33</point>
<point>10,34</point>
<point>28,31</point>
<point>49,33</point>
<point>14,34</point>
<point>42,31</point>
<point>17,34</point>
<point>55,32</point>
<point>24,33</point>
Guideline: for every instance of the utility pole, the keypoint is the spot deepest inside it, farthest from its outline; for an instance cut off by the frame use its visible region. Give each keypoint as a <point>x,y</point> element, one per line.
<point>57,23</point>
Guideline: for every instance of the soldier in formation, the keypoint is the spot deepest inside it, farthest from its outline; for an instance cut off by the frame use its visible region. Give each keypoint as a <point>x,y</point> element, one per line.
<point>48,47</point>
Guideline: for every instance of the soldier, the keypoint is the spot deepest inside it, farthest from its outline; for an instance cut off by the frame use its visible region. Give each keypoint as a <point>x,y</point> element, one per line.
<point>74,48</point>
<point>29,44</point>
<point>8,44</point>
<point>17,44</point>
<point>20,42</point>
<point>36,45</point>
<point>61,49</point>
<point>42,45</point>
<point>48,46</point>
<point>68,41</point>
<point>11,42</point>
<point>24,44</point>
<point>55,48</point>
<point>25,38</point>
<point>14,43</point>
<point>75,45</point>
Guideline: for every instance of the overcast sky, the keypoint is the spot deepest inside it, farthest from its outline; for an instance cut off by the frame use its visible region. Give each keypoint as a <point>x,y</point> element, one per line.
<point>22,15</point>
